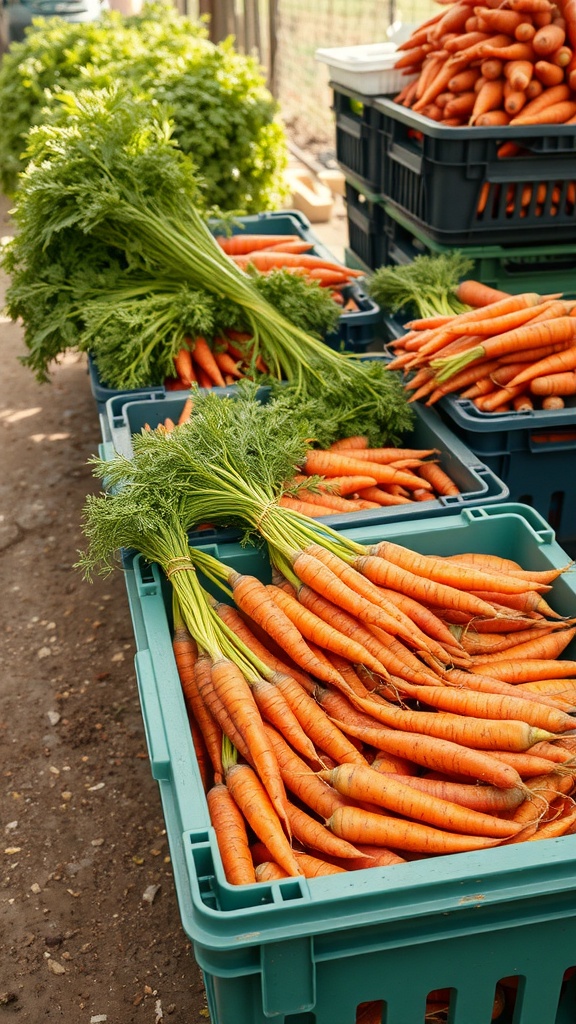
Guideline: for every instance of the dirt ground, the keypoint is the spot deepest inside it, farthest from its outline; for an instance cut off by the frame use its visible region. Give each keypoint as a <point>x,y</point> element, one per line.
<point>83,843</point>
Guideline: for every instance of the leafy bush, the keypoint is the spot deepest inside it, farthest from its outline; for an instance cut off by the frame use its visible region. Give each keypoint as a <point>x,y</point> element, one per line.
<point>224,116</point>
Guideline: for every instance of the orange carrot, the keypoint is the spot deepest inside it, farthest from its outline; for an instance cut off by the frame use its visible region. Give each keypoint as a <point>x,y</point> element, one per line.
<point>275,709</point>
<point>554,384</point>
<point>442,483</point>
<point>186,411</point>
<point>358,825</point>
<point>258,810</point>
<point>547,98</point>
<point>558,363</point>
<point>183,366</point>
<point>529,670</point>
<point>236,245</point>
<point>426,750</point>
<point>326,463</point>
<point>474,293</point>
<point>226,364</point>
<point>358,442</point>
<point>477,798</point>
<point>323,733</point>
<point>300,780</point>
<point>488,98</point>
<point>237,697</point>
<point>204,358</point>
<point>548,39</point>
<point>228,824</point>
<point>315,836</point>
<point>364,784</point>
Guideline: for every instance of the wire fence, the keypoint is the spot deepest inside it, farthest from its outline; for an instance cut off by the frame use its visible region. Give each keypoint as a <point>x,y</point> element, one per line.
<point>285,35</point>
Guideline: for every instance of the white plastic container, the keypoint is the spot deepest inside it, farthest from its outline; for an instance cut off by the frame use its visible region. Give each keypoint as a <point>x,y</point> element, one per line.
<point>368,69</point>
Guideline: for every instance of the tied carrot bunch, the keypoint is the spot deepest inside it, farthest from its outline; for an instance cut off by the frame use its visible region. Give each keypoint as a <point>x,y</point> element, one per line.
<point>516,352</point>
<point>328,703</point>
<point>497,63</point>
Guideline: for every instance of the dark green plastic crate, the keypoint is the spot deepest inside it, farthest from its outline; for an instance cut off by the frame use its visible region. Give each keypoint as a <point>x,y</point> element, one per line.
<point>540,268</point>
<point>303,951</point>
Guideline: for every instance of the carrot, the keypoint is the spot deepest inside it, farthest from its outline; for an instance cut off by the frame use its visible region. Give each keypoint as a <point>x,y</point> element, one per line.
<point>322,732</point>
<point>358,825</point>
<point>226,364</point>
<point>530,6</point>
<point>443,570</point>
<point>269,871</point>
<point>442,483</point>
<point>344,485</point>
<point>529,669</point>
<point>183,366</point>
<point>300,780</point>
<point>561,826</point>
<point>553,402</point>
<point>381,497</point>
<point>312,627</point>
<point>334,502</point>
<point>348,589</point>
<point>561,362</point>
<point>264,261</point>
<point>493,119</point>
<point>498,20</point>
<point>548,39</point>
<point>315,836</point>
<point>366,785</point>
<point>186,411</point>
<point>232,838</point>
<point>562,56</point>
<point>191,676</point>
<point>204,358</point>
<point>547,98</point>
<point>255,804</point>
<point>236,245</point>
<point>426,750</point>
<point>475,293</point>
<point>525,32</point>
<point>463,80</point>
<point>386,456</point>
<point>488,98</point>
<point>491,68</point>
<point>237,697</point>
<point>551,74</point>
<point>326,463</point>
<point>252,597</point>
<point>476,797</point>
<point>514,51</point>
<point>235,622</point>
<point>560,329</point>
<point>461,106</point>
<point>490,705</point>
<point>393,765</point>
<point>303,506</point>
<point>275,709</point>
<point>297,245</point>
<point>357,442</point>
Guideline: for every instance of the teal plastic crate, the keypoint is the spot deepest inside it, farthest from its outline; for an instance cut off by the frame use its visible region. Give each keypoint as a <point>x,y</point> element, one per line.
<point>477,484</point>
<point>301,951</point>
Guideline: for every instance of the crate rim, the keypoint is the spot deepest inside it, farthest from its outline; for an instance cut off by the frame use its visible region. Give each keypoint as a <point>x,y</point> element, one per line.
<point>386,105</point>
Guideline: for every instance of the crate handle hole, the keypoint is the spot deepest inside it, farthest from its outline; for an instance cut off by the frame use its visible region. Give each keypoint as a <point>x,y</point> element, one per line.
<point>372,1012</point>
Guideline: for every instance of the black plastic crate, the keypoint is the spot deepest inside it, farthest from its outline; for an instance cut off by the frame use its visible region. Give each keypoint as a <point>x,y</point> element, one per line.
<point>357,141</point>
<point>366,223</point>
<point>454,184</point>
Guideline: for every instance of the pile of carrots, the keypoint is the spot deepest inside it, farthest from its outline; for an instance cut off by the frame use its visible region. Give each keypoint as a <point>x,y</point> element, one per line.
<point>495,63</point>
<point>512,353</point>
<point>266,253</point>
<point>408,706</point>
<point>356,477</point>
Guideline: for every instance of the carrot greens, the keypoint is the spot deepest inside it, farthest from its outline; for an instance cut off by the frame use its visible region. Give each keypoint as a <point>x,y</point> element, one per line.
<point>428,284</point>
<point>109,179</point>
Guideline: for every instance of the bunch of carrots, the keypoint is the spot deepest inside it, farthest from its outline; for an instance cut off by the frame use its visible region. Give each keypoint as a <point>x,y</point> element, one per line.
<point>495,63</point>
<point>351,477</point>
<point>266,253</point>
<point>367,706</point>
<point>514,353</point>
<point>396,727</point>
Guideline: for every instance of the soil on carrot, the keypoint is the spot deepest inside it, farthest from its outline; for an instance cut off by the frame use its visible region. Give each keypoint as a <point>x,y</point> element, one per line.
<point>90,928</point>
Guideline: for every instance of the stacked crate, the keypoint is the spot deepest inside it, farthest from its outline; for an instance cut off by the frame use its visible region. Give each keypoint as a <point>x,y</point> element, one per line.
<point>417,187</point>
